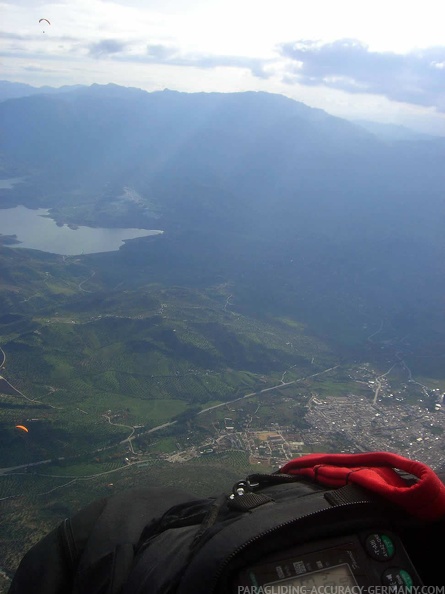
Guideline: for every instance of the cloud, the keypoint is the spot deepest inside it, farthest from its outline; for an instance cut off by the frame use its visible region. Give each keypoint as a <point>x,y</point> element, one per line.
<point>347,65</point>
<point>161,53</point>
<point>256,66</point>
<point>168,55</point>
<point>12,36</point>
<point>33,68</point>
<point>106,48</point>
<point>417,77</point>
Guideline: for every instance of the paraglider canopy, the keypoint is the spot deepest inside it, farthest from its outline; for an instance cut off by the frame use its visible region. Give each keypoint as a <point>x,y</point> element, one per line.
<point>22,427</point>
<point>44,21</point>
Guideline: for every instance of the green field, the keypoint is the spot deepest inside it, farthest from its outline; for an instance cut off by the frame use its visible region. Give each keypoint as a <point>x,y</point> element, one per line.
<point>95,355</point>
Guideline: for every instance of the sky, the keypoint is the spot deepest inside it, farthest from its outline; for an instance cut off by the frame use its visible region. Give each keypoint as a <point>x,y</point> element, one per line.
<point>381,60</point>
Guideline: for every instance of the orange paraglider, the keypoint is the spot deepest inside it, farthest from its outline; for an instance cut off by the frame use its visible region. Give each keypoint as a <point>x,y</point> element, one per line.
<point>22,427</point>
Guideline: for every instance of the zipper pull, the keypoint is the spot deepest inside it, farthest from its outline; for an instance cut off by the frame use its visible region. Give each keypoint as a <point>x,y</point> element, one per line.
<point>240,488</point>
<point>243,487</point>
<point>244,498</point>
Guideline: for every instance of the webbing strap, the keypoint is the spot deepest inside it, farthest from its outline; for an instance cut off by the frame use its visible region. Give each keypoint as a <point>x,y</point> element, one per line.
<point>347,494</point>
<point>248,501</point>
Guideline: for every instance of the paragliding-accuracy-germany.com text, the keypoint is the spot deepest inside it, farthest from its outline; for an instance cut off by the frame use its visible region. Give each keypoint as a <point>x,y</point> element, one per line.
<point>336,589</point>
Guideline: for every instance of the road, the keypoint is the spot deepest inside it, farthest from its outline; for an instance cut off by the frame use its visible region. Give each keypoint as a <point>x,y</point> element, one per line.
<point>131,437</point>
<point>264,390</point>
<point>379,383</point>
<point>23,466</point>
<point>282,384</point>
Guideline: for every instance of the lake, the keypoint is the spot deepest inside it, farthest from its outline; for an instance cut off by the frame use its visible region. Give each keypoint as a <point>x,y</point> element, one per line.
<point>34,229</point>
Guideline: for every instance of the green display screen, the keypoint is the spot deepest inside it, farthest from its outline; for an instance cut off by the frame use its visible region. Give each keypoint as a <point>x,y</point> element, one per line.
<point>340,575</point>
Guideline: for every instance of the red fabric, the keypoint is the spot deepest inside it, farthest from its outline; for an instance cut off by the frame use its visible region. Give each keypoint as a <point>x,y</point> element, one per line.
<point>376,471</point>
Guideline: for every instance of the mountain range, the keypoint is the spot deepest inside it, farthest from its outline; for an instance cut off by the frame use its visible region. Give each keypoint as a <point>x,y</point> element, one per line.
<point>306,214</point>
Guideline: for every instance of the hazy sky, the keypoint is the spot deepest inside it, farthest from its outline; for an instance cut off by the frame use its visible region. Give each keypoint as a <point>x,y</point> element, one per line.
<point>379,59</point>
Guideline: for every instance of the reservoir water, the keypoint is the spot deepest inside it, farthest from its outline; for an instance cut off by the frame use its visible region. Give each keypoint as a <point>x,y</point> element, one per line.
<point>34,229</point>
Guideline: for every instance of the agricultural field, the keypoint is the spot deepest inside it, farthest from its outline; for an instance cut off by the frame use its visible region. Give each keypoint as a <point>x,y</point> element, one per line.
<point>121,381</point>
<point>45,498</point>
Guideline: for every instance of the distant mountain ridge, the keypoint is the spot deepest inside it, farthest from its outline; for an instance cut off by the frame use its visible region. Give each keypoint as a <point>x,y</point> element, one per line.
<point>14,90</point>
<point>111,133</point>
<point>393,132</point>
<point>303,211</point>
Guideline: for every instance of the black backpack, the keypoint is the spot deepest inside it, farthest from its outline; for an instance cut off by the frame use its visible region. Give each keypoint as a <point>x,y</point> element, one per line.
<point>164,540</point>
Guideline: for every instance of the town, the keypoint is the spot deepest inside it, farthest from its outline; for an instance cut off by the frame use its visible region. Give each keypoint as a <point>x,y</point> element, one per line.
<point>305,423</point>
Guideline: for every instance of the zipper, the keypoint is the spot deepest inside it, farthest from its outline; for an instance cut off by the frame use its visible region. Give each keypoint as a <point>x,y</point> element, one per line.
<point>254,482</point>
<point>68,541</point>
<point>270,531</point>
